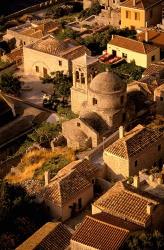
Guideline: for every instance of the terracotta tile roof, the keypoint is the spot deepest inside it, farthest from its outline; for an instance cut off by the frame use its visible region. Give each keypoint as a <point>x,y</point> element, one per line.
<point>155,37</point>
<point>52,236</point>
<point>15,55</point>
<point>154,69</point>
<point>100,235</point>
<point>141,4</point>
<point>116,221</point>
<point>84,167</point>
<point>125,202</point>
<point>131,44</point>
<point>135,141</point>
<point>64,49</point>
<point>63,188</point>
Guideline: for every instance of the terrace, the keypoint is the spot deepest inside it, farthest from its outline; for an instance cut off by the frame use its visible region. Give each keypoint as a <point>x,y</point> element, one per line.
<point>110,58</point>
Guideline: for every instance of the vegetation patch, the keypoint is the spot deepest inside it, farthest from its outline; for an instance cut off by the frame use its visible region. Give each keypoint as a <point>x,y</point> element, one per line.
<point>34,163</point>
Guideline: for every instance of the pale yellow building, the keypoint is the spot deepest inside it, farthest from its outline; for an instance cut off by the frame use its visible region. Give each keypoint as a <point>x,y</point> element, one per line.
<point>136,14</point>
<point>49,55</point>
<point>142,54</point>
<point>140,148</point>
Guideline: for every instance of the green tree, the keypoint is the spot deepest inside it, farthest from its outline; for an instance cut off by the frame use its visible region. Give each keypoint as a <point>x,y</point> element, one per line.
<point>45,133</point>
<point>94,10</point>
<point>10,84</point>
<point>20,215</point>
<point>144,240</point>
<point>62,84</point>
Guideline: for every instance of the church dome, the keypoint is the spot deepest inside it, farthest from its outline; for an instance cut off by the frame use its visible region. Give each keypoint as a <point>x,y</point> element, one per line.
<point>106,82</point>
<point>51,45</point>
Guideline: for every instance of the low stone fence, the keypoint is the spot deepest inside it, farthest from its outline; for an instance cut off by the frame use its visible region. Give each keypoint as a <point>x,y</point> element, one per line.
<point>109,140</point>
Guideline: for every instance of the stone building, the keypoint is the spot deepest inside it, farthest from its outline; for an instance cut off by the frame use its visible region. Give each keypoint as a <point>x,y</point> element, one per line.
<point>100,115</point>
<point>130,204</point>
<point>30,32</point>
<point>105,3</point>
<point>84,69</point>
<point>70,190</point>
<point>159,99</point>
<point>49,55</point>
<point>138,149</point>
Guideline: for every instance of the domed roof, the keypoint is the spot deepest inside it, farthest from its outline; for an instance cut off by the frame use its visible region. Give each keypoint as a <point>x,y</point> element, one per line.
<point>106,82</point>
<point>51,45</point>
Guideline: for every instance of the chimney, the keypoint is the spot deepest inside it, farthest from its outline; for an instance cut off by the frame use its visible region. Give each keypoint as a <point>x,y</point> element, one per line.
<point>151,177</point>
<point>121,132</point>
<point>159,180</point>
<point>134,3</point>
<point>136,181</point>
<point>46,178</point>
<point>146,35</point>
<point>149,208</point>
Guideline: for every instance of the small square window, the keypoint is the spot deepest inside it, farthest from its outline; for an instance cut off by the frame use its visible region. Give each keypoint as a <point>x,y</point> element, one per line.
<point>136,163</point>
<point>153,58</point>
<point>60,63</point>
<point>78,124</point>
<point>161,98</point>
<point>94,101</point>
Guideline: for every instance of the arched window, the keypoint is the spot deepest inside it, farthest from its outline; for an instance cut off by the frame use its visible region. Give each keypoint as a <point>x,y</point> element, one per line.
<point>77,75</point>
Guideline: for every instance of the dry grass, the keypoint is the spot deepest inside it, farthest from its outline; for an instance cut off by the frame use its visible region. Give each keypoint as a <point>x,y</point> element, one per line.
<point>34,160</point>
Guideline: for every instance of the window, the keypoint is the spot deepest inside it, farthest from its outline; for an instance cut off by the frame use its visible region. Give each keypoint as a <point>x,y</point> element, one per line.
<point>36,68</point>
<point>24,43</point>
<point>45,72</point>
<point>159,147</point>
<point>161,98</point>
<point>136,163</point>
<point>153,58</point>
<point>60,63</point>
<point>114,52</point>
<point>94,101</point>
<point>124,55</point>
<point>78,124</point>
<point>77,76</point>
<point>122,99</point>
<point>82,78</point>
<point>128,14</point>
<point>80,203</point>
<point>133,27</point>
<point>137,16</point>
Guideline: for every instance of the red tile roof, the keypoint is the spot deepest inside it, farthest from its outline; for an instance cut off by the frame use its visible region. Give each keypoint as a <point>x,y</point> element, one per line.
<point>131,44</point>
<point>125,202</point>
<point>99,235</point>
<point>154,37</point>
<point>70,181</point>
<point>52,236</point>
<point>135,141</point>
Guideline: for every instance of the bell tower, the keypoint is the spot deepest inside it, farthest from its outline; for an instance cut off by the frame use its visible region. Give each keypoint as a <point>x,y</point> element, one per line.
<point>84,69</point>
